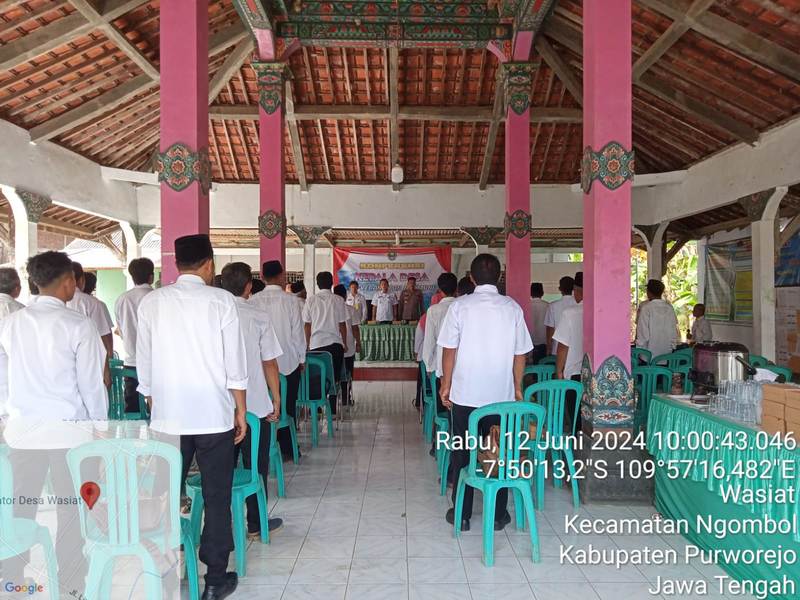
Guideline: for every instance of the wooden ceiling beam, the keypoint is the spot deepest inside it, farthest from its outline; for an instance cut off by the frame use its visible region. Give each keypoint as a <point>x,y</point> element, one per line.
<point>339,150</point>
<point>394,122</point>
<point>44,40</point>
<point>788,231</point>
<point>491,140</point>
<point>324,150</point>
<point>781,11</point>
<point>669,37</point>
<point>120,40</point>
<point>372,150</point>
<point>294,138</point>
<point>733,37</point>
<point>572,40</point>
<point>232,64</point>
<point>561,68</point>
<point>106,102</point>
<point>233,153</point>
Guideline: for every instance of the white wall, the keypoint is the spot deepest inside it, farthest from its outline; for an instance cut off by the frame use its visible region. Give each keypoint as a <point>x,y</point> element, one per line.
<point>61,175</point>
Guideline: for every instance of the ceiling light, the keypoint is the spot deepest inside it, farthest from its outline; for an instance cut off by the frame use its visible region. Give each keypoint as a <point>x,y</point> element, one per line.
<point>397,174</point>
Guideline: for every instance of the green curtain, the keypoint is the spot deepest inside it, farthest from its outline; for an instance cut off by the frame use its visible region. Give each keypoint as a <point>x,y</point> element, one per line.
<point>380,343</point>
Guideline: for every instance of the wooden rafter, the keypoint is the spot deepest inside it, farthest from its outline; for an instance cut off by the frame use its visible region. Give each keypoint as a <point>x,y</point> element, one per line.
<point>453,153</point>
<point>43,40</point>
<point>372,149</point>
<point>230,147</point>
<point>474,128</point>
<point>669,37</point>
<point>561,68</point>
<point>324,150</point>
<point>294,138</point>
<point>788,231</point>
<point>733,37</point>
<point>339,149</point>
<point>238,57</point>
<point>491,139</point>
<point>538,123</point>
<point>215,145</point>
<point>394,123</point>
<point>781,11</point>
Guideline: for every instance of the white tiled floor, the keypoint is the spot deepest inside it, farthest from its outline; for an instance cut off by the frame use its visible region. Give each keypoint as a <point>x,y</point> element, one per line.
<point>364,519</point>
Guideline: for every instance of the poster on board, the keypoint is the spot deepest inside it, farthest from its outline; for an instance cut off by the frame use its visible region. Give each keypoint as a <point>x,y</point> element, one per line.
<point>368,267</point>
<point>787,272</point>
<point>729,282</point>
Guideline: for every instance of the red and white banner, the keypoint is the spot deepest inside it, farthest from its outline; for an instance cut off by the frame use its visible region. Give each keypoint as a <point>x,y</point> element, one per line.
<point>368,267</point>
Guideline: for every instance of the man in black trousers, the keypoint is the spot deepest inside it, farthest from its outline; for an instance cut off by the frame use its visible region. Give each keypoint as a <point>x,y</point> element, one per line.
<point>192,367</point>
<point>484,340</point>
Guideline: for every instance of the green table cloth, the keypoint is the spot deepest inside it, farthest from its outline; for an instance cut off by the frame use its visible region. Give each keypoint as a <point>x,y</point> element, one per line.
<point>383,343</point>
<point>697,493</point>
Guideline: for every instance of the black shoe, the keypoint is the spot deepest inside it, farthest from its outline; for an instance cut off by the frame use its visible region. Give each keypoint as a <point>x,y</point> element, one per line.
<point>218,592</point>
<point>450,517</point>
<point>501,523</point>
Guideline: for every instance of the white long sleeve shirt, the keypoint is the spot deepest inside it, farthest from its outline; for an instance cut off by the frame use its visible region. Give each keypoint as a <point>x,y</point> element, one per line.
<point>431,351</point>
<point>538,313</point>
<point>570,333</point>
<point>324,310</point>
<point>94,309</point>
<point>488,330</point>
<point>261,344</point>
<point>359,302</point>
<point>701,330</point>
<point>553,316</point>
<point>657,330</point>
<point>285,312</point>
<point>54,361</point>
<point>9,305</point>
<point>126,310</point>
<point>190,353</point>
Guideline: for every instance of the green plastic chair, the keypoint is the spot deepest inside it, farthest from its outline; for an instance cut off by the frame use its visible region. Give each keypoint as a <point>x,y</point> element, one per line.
<point>190,556</point>
<point>285,421</point>
<point>442,423</point>
<point>686,351</point>
<point>318,364</point>
<point>541,372</point>
<point>785,371</point>
<point>638,352</point>
<point>513,416</point>
<point>688,386</point>
<point>547,360</point>
<point>671,360</point>
<point>115,363</point>
<point>758,361</point>
<point>120,457</point>
<point>116,398</point>
<point>648,381</point>
<point>428,403</point>
<point>551,396</point>
<point>276,461</point>
<point>21,535</point>
<point>246,482</point>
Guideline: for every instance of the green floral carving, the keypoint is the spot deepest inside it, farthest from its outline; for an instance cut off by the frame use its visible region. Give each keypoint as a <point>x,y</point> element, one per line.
<point>608,399</point>
<point>483,236</point>
<point>139,231</point>
<point>179,166</point>
<point>612,166</point>
<point>308,234</point>
<point>271,224</point>
<point>755,204</point>
<point>518,224</point>
<point>270,78</point>
<point>34,204</point>
<point>516,78</point>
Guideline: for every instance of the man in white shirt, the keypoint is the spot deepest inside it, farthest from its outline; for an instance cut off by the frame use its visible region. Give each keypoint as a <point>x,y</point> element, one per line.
<point>33,291</point>
<point>538,330</point>
<point>326,325</point>
<point>192,366</point>
<point>10,289</point>
<point>262,348</point>
<point>384,304</point>
<point>484,339</point>
<point>569,357</point>
<point>358,301</point>
<point>658,324</point>
<point>142,271</point>
<point>51,381</point>
<point>89,288</point>
<point>431,351</point>
<point>551,319</point>
<point>299,290</point>
<point>353,340</point>
<point>287,320</point>
<point>94,309</point>
<point>701,328</point>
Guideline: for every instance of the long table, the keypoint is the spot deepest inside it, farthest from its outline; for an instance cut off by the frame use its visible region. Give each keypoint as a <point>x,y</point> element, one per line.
<point>696,493</point>
<point>387,343</point>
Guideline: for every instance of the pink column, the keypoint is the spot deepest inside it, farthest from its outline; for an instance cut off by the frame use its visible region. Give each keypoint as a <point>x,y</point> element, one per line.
<point>272,183</point>
<point>606,167</point>
<point>517,79</point>
<point>184,166</point>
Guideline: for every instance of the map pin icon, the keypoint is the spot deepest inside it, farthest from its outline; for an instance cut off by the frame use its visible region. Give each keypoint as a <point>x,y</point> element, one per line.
<point>90,492</point>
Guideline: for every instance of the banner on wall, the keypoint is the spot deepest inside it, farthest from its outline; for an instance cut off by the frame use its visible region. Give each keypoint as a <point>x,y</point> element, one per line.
<point>787,273</point>
<point>368,267</point>
<point>729,282</point>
